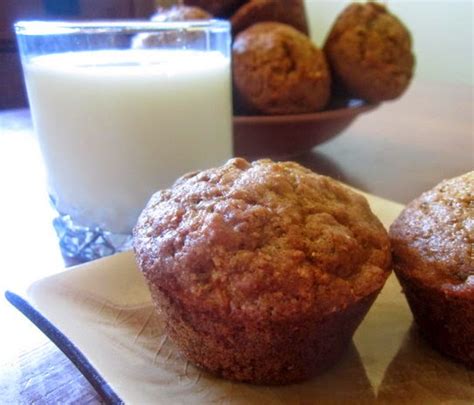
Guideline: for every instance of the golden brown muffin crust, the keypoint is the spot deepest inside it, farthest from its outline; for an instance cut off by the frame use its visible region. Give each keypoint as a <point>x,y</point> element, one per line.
<point>369,50</point>
<point>261,240</point>
<point>433,238</point>
<point>277,70</point>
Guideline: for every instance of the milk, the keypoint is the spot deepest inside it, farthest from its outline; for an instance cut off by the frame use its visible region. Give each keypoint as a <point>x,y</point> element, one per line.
<point>115,126</point>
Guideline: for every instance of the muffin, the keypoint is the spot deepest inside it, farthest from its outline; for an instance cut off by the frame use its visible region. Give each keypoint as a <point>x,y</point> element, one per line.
<point>277,70</point>
<point>218,8</point>
<point>262,271</point>
<point>432,242</point>
<point>369,51</point>
<point>169,14</point>
<point>291,12</point>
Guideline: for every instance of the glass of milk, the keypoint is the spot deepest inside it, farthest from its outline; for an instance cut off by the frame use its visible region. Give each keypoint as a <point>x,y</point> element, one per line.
<point>121,109</point>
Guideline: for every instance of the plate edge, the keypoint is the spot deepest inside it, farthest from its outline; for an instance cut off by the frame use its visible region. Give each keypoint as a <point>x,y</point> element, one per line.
<point>66,346</point>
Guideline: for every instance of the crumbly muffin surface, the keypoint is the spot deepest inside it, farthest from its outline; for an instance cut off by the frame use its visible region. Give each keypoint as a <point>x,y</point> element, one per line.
<point>261,240</point>
<point>433,238</point>
<point>369,50</point>
<point>277,70</point>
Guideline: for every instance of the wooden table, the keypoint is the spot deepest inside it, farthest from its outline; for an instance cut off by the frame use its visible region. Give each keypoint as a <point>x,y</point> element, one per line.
<point>397,151</point>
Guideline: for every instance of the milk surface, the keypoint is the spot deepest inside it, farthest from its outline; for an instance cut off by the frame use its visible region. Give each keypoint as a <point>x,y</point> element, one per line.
<point>115,126</point>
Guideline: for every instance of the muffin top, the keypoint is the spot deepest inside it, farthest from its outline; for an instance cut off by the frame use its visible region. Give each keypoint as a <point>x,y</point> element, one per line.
<point>261,241</point>
<point>289,12</point>
<point>433,238</point>
<point>369,50</point>
<point>277,70</point>
<point>174,13</point>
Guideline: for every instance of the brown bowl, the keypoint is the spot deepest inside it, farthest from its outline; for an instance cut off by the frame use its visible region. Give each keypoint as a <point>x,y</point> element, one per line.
<point>282,136</point>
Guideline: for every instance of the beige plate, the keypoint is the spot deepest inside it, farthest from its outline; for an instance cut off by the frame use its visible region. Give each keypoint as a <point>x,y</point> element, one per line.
<point>104,308</point>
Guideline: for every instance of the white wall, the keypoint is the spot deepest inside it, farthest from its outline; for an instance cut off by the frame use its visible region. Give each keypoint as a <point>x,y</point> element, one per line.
<point>442,33</point>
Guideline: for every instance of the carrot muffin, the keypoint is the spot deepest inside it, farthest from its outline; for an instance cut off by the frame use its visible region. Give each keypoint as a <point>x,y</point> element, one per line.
<point>432,242</point>
<point>369,51</point>
<point>277,70</point>
<point>291,12</point>
<point>262,270</point>
<point>169,14</point>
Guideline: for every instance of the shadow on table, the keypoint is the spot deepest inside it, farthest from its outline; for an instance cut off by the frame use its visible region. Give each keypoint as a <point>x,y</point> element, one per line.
<point>346,382</point>
<point>322,164</point>
<point>419,374</point>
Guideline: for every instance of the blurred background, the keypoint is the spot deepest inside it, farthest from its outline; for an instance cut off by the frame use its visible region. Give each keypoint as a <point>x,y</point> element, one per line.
<point>442,31</point>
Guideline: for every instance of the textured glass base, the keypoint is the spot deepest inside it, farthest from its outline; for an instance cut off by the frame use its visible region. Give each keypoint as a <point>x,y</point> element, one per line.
<point>84,244</point>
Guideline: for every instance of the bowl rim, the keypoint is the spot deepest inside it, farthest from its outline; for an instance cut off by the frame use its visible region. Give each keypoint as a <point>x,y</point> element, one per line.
<point>361,107</point>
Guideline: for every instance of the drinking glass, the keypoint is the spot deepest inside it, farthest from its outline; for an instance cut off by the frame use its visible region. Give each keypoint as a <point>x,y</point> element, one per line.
<point>121,109</point>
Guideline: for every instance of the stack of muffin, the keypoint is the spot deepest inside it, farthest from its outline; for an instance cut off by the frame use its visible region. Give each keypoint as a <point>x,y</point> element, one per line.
<point>278,70</point>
